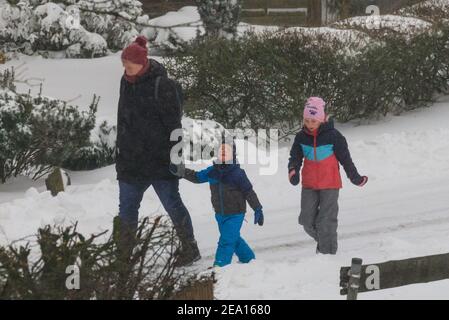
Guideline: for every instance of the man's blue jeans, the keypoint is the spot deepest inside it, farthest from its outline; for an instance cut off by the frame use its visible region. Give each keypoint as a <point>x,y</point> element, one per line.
<point>168,192</point>
<point>230,240</point>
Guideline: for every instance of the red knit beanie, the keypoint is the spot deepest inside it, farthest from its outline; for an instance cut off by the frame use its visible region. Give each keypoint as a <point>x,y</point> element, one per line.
<point>137,51</point>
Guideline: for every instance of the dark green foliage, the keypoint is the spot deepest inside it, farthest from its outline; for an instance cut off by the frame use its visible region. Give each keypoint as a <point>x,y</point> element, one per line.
<point>263,81</point>
<point>98,154</point>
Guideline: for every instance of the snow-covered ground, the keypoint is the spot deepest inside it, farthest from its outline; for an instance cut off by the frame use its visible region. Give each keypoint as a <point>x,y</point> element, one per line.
<point>402,212</point>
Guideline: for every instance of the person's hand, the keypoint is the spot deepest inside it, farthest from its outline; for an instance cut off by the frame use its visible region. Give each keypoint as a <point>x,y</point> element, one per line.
<point>177,169</point>
<point>364,181</point>
<point>258,217</point>
<point>293,177</point>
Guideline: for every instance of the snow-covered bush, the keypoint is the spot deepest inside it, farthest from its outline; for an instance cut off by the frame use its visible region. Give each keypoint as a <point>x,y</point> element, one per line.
<point>87,45</point>
<point>81,28</point>
<point>114,20</point>
<point>380,25</point>
<point>242,83</point>
<point>77,27</point>
<point>37,132</point>
<point>430,10</point>
<point>15,26</point>
<point>99,153</point>
<point>37,269</point>
<point>51,29</point>
<point>166,34</point>
<point>350,41</point>
<point>220,17</point>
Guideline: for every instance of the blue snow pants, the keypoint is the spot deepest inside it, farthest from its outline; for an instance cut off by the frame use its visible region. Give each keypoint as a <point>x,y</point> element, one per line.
<point>230,241</point>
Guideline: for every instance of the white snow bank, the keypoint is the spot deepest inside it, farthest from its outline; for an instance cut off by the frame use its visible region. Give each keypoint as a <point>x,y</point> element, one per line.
<point>400,24</point>
<point>185,15</point>
<point>351,37</point>
<point>165,26</point>
<point>426,8</point>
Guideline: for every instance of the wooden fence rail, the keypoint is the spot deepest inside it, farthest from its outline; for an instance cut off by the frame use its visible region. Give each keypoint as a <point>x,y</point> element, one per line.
<point>392,274</point>
<point>269,11</point>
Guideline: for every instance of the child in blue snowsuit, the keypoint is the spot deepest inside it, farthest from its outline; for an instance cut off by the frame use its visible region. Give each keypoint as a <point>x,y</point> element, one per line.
<point>230,190</point>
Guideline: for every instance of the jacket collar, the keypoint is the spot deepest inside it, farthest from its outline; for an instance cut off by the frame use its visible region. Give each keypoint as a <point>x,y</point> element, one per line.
<point>226,167</point>
<point>325,126</point>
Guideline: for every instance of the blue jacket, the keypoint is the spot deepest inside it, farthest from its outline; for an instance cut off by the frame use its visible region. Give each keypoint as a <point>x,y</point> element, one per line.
<point>229,185</point>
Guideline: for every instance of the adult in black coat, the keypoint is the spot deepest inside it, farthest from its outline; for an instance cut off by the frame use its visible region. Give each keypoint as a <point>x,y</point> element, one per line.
<point>148,111</point>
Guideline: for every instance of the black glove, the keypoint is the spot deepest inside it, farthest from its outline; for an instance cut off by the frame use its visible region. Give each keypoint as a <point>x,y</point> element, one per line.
<point>364,181</point>
<point>258,217</point>
<point>293,176</point>
<point>177,169</point>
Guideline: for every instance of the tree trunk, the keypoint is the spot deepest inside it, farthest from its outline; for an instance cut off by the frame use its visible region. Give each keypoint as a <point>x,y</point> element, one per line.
<point>314,13</point>
<point>2,172</point>
<point>345,9</point>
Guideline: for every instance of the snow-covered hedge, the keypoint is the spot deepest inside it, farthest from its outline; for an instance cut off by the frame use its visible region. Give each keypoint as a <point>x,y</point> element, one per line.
<point>263,81</point>
<point>430,10</point>
<point>380,25</point>
<point>173,28</point>
<point>100,152</point>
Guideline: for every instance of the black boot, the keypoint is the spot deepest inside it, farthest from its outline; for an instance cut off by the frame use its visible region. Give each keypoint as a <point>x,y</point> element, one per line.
<point>187,254</point>
<point>125,238</point>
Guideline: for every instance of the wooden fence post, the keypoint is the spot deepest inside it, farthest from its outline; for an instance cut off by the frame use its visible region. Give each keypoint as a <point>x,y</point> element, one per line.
<point>54,182</point>
<point>354,278</point>
<point>2,58</point>
<point>201,289</point>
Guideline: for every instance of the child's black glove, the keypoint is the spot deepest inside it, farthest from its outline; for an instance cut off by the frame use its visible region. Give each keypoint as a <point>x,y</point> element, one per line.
<point>293,177</point>
<point>258,216</point>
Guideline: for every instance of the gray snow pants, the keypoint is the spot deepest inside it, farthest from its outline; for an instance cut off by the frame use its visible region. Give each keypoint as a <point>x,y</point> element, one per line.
<point>319,210</point>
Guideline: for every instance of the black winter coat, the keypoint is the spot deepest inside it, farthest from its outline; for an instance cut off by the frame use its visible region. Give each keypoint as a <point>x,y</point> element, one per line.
<point>144,125</point>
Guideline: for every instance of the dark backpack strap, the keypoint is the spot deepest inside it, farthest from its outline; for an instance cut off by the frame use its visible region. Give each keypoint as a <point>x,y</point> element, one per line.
<point>156,87</point>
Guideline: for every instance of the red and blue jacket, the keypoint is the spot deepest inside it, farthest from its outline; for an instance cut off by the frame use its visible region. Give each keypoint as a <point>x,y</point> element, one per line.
<point>321,152</point>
